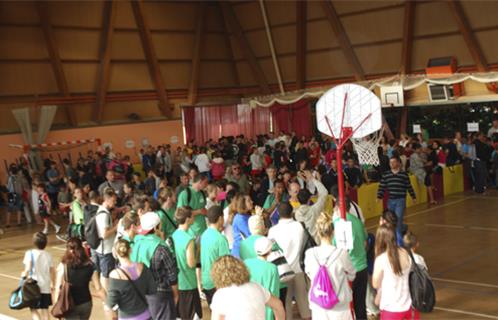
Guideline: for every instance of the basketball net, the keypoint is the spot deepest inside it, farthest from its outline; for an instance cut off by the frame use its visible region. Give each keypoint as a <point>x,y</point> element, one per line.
<point>367,148</point>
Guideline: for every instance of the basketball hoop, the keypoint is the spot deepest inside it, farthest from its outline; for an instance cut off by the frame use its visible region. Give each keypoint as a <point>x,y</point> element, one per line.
<point>367,148</point>
<point>350,111</point>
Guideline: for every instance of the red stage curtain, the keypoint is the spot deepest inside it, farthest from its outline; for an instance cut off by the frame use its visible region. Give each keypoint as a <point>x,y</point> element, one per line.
<point>292,117</point>
<point>204,123</point>
<point>261,120</point>
<point>189,123</point>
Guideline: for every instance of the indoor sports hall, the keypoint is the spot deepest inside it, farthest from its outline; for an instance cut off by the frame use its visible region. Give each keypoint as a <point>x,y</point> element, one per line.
<point>249,159</point>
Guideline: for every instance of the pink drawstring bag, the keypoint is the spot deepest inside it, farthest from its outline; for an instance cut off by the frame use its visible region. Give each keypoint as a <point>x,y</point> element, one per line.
<point>322,292</point>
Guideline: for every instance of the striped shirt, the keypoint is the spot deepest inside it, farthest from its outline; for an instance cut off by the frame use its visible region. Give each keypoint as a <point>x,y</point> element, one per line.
<point>396,184</point>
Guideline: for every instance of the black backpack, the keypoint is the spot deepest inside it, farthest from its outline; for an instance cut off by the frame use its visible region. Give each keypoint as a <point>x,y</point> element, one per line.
<point>421,288</point>
<point>91,232</point>
<point>308,243</point>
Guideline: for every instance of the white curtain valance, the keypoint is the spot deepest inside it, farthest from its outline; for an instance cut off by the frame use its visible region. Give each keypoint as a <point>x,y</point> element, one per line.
<point>409,82</point>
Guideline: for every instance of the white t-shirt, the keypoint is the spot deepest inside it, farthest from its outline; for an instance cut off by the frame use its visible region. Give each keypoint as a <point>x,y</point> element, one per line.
<point>395,293</point>
<point>290,236</point>
<point>228,231</point>
<point>245,302</point>
<point>104,222</point>
<point>41,272</point>
<point>420,261</point>
<point>202,162</point>
<point>256,161</point>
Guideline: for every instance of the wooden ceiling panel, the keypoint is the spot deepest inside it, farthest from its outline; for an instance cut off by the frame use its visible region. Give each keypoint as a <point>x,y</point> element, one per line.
<point>345,7</point>
<point>18,12</point>
<point>481,13</point>
<point>213,21</point>
<point>380,59</point>
<point>319,35</point>
<point>27,78</point>
<point>130,77</point>
<point>237,53</point>
<point>83,113</point>
<point>268,69</point>
<point>173,46</point>
<point>288,68</point>
<point>127,45</point>
<point>433,17</point>
<point>374,26</point>
<point>488,44</point>
<point>214,47</point>
<point>315,10</point>
<point>216,74</point>
<point>284,39</point>
<point>281,12</point>
<point>124,15</point>
<point>249,15</point>
<point>245,74</point>
<point>425,49</point>
<point>22,43</point>
<point>80,77</point>
<point>321,65</point>
<point>119,111</point>
<point>76,13</point>
<point>258,43</point>
<point>170,15</point>
<point>176,75</point>
<point>77,44</point>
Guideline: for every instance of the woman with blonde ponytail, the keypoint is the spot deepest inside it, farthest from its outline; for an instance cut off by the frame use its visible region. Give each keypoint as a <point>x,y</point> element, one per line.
<point>339,267</point>
<point>128,286</point>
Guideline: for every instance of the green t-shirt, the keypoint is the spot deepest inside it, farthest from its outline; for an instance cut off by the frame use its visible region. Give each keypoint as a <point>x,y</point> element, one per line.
<point>187,279</point>
<point>247,247</point>
<point>358,254</point>
<point>166,226</point>
<point>77,212</point>
<point>213,246</point>
<point>197,201</point>
<point>266,274</point>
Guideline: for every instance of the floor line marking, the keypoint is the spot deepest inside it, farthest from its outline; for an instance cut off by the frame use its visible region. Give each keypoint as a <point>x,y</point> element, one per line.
<point>5,317</point>
<point>453,226</point>
<point>467,282</point>
<point>467,313</point>
<point>9,276</point>
<point>427,210</point>
<point>483,228</point>
<point>58,248</point>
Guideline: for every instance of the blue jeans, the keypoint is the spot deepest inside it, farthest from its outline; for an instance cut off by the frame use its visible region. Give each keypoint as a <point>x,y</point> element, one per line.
<point>398,207</point>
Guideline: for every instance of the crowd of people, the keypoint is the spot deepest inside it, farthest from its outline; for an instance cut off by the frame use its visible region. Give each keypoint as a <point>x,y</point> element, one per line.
<point>247,225</point>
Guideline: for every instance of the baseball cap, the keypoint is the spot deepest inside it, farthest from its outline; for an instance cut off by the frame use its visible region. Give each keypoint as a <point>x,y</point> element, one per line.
<point>148,221</point>
<point>263,246</point>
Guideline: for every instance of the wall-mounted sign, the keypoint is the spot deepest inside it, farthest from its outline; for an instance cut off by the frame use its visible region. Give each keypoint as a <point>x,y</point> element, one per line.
<point>417,128</point>
<point>473,126</point>
<point>129,144</point>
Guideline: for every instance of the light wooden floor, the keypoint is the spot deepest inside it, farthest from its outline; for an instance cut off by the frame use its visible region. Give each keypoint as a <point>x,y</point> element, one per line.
<point>458,239</point>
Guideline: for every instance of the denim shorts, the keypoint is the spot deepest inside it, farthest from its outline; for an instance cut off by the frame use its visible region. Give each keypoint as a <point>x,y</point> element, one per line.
<point>104,263</point>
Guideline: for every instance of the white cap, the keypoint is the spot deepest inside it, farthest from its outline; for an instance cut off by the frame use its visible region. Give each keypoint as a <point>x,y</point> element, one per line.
<point>148,221</point>
<point>263,246</point>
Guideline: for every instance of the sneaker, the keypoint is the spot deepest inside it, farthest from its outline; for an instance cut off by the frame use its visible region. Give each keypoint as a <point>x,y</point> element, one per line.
<point>45,231</point>
<point>57,228</point>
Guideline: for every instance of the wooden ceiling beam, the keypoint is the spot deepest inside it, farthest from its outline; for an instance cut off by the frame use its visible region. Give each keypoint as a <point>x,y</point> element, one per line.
<point>151,57</point>
<point>104,71</point>
<point>470,39</point>
<point>301,15</point>
<point>407,44</point>
<point>229,47</point>
<point>55,60</point>
<point>238,33</point>
<point>196,56</point>
<point>343,40</point>
<point>464,27</point>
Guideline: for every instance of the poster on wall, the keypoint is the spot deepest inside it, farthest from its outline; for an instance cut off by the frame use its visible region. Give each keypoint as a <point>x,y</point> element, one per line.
<point>173,139</point>
<point>417,128</point>
<point>129,144</point>
<point>145,142</point>
<point>473,126</point>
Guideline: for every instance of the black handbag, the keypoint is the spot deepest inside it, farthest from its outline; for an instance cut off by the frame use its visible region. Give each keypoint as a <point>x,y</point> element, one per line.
<point>28,294</point>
